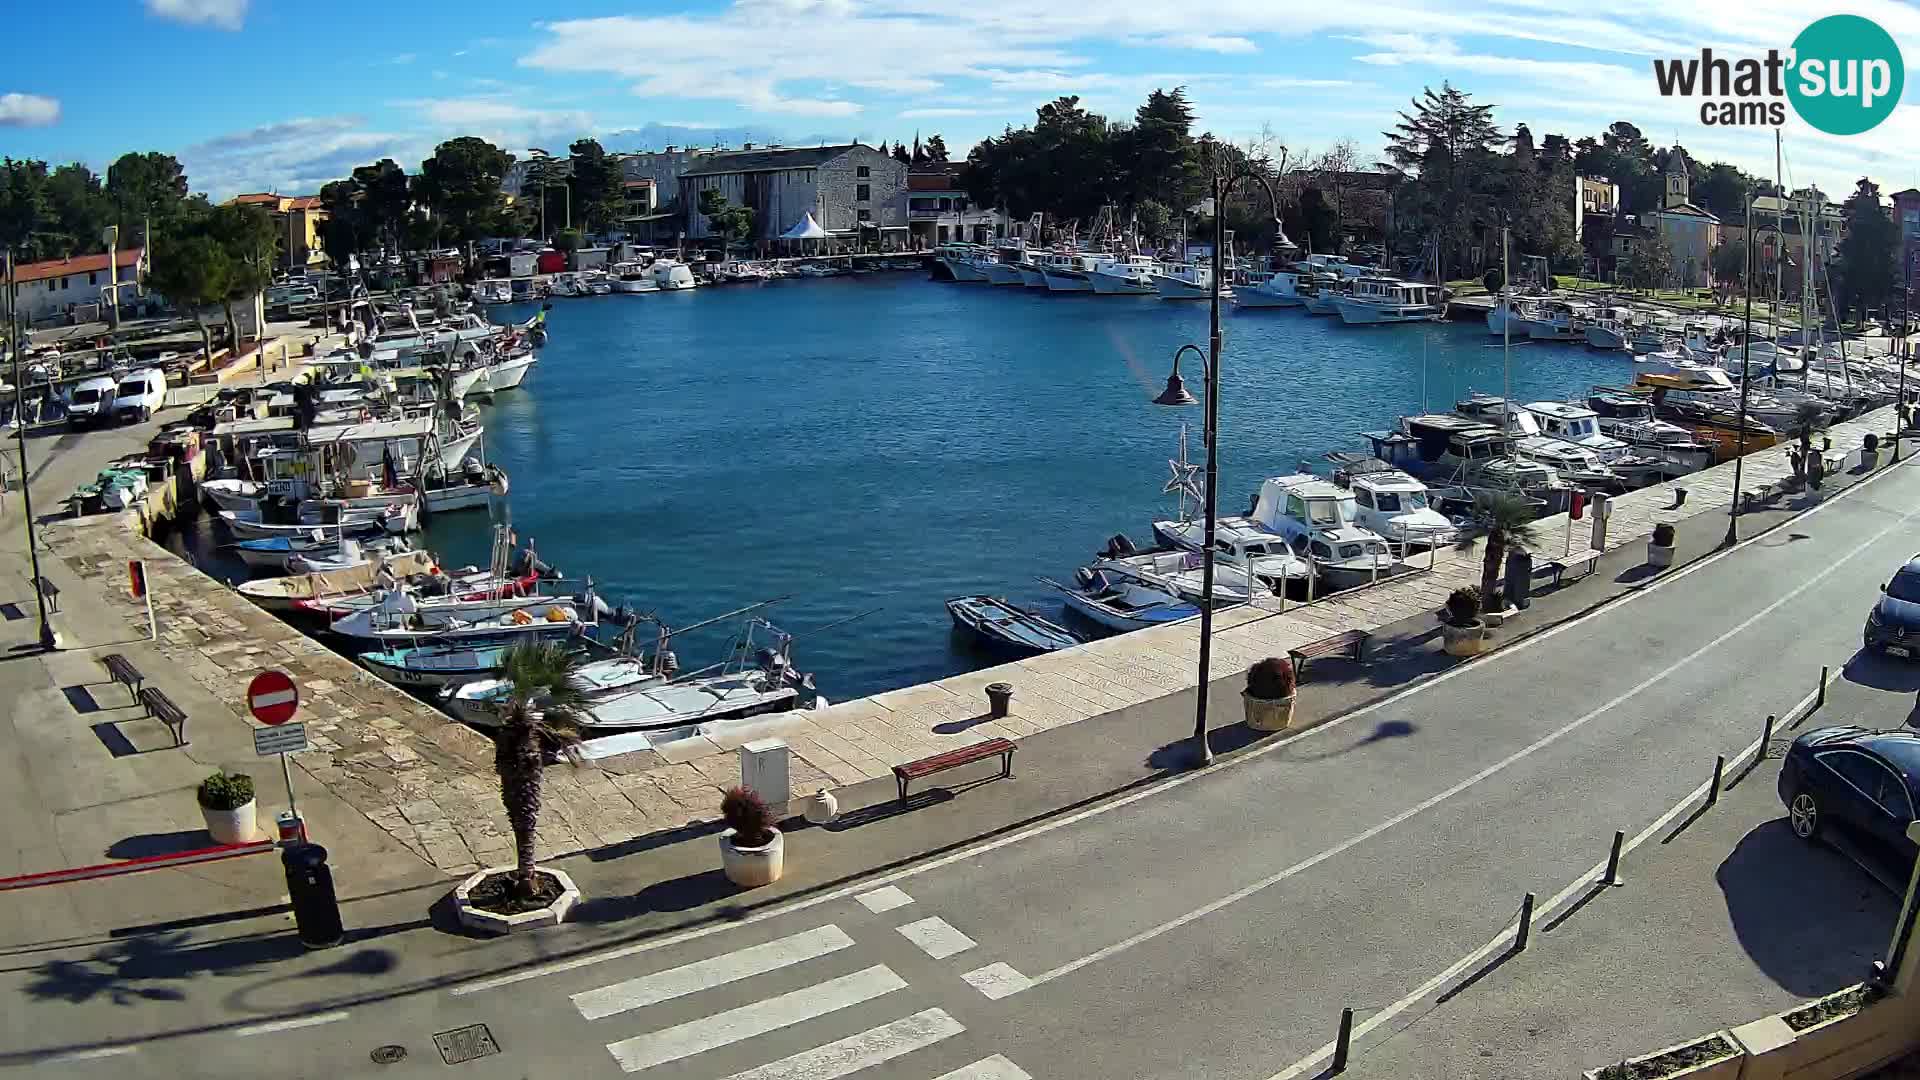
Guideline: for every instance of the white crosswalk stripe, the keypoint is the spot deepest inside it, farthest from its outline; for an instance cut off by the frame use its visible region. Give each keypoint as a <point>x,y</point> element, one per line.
<point>988,1068</point>
<point>706,974</point>
<point>757,1018</point>
<point>843,1057</point>
<point>936,937</point>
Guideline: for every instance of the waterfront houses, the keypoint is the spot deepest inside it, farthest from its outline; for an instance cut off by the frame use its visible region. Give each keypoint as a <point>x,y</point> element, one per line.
<point>848,189</point>
<point>61,287</point>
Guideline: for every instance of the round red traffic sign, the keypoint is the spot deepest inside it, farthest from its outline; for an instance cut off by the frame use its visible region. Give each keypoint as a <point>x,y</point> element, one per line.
<point>272,698</point>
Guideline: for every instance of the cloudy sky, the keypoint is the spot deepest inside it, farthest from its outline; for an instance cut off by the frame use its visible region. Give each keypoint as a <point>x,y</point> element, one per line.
<point>268,94</point>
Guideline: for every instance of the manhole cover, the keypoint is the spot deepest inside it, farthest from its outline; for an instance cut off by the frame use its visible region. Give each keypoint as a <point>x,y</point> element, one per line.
<point>387,1055</point>
<point>465,1044</point>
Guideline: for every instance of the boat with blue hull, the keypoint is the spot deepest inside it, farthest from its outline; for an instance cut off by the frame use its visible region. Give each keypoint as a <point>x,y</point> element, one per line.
<point>1121,605</point>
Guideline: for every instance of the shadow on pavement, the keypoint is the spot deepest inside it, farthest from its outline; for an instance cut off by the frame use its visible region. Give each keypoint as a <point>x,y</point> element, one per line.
<point>1386,729</point>
<point>678,894</point>
<point>1177,756</point>
<point>1808,920</point>
<point>1634,575</point>
<point>1882,672</point>
<point>653,840</point>
<point>145,844</point>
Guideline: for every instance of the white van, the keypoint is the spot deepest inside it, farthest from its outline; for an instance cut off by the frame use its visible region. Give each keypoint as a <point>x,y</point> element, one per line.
<point>139,395</point>
<point>91,402</point>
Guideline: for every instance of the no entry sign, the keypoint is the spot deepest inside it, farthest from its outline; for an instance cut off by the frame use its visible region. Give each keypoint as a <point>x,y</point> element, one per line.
<point>271,697</point>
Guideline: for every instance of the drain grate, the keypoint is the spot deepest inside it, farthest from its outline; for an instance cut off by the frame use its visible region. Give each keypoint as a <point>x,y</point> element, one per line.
<point>387,1055</point>
<point>465,1044</point>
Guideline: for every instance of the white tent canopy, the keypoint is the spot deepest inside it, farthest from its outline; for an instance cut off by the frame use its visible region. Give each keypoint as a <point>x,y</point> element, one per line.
<point>805,229</point>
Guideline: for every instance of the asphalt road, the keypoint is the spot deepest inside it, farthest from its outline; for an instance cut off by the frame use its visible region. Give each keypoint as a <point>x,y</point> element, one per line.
<point>1211,927</point>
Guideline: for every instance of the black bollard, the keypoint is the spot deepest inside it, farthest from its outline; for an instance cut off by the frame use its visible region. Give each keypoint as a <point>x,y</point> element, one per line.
<point>1343,1044</point>
<point>316,910</point>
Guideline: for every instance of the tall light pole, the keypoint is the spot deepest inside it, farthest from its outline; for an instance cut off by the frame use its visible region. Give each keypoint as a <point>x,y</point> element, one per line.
<point>1746,379</point>
<point>1904,347</point>
<point>1176,394</point>
<point>48,642</point>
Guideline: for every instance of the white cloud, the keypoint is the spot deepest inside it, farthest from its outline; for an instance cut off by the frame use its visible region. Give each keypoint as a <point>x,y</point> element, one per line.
<point>1219,43</point>
<point>939,112</point>
<point>898,84</point>
<point>28,110</point>
<point>293,157</point>
<point>225,14</point>
<point>406,58</point>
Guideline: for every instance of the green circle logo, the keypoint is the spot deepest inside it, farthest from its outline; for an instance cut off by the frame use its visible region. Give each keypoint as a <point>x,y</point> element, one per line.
<point>1847,74</point>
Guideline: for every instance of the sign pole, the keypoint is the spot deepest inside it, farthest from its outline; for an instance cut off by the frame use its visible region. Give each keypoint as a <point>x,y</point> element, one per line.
<point>286,770</point>
<point>153,626</point>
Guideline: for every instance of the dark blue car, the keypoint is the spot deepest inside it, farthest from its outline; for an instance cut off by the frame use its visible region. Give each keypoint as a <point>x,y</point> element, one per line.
<point>1868,781</point>
<point>1893,626</point>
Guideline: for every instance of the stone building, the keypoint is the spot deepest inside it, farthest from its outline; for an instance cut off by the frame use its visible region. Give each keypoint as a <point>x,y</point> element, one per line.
<point>854,191</point>
<point>1691,232</point>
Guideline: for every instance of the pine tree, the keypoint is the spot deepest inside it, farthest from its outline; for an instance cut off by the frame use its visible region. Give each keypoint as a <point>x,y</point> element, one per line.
<point>900,154</point>
<point>1866,261</point>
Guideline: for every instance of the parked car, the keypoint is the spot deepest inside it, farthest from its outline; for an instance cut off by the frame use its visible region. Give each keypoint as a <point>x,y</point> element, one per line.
<point>139,395</point>
<point>1852,777</point>
<point>1893,626</point>
<point>91,402</point>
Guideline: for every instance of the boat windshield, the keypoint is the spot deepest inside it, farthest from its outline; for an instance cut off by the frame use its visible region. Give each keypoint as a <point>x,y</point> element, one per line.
<point>1322,512</point>
<point>1392,502</point>
<point>85,397</point>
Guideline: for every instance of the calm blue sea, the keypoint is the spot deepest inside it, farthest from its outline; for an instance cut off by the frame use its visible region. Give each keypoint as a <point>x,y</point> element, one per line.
<point>885,442</point>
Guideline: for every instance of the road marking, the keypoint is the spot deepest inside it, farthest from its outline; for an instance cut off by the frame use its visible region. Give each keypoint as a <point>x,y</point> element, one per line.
<point>1436,799</point>
<point>936,937</point>
<point>987,1068</point>
<point>855,1052</point>
<point>997,981</point>
<point>1504,938</point>
<point>87,1055</point>
<point>714,971</point>
<point>288,1025</point>
<point>1164,787</point>
<point>757,1018</point>
<point>885,899</point>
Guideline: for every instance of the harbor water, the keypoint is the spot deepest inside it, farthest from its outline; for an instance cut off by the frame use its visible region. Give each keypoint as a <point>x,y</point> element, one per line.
<point>885,442</point>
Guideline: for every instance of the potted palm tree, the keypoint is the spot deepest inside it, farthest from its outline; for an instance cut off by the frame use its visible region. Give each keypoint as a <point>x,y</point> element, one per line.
<point>1660,546</point>
<point>537,720</point>
<point>1505,521</point>
<point>226,805</point>
<point>1808,418</point>
<point>1269,694</point>
<point>752,851</point>
<point>1462,631</point>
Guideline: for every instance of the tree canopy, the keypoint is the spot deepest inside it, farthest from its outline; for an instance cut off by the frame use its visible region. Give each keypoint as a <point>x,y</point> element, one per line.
<point>599,188</point>
<point>461,181</point>
<point>1866,264</point>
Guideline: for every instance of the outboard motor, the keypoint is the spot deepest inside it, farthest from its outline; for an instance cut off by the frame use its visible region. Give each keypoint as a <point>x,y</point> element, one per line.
<point>1118,546</point>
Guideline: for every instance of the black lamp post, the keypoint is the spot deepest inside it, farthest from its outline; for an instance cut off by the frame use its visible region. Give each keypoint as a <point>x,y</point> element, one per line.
<point>48,642</point>
<point>1746,379</point>
<point>1903,348</point>
<point>1176,394</point>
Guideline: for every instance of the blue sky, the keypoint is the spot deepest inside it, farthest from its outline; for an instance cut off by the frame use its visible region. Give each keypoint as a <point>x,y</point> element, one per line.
<point>266,94</point>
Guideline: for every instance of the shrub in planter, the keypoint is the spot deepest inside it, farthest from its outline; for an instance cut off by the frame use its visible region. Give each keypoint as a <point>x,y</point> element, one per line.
<point>1269,694</point>
<point>1663,534</point>
<point>1660,546</point>
<point>1463,605</point>
<point>1870,451</point>
<point>226,805</point>
<point>1463,632</point>
<point>752,851</point>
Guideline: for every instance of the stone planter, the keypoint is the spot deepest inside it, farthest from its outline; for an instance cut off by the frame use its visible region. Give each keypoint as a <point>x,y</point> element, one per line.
<point>1869,459</point>
<point>235,826</point>
<point>553,914</point>
<point>820,807</point>
<point>1468,640</point>
<point>752,867</point>
<point>1268,714</point>
<point>1659,557</point>
<point>1723,1067</point>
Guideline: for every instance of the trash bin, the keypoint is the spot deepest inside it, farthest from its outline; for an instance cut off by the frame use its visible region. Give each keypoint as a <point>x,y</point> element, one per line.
<point>1519,578</point>
<point>316,911</point>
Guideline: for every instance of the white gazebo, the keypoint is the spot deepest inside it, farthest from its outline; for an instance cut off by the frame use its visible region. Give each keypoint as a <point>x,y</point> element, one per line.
<point>804,229</point>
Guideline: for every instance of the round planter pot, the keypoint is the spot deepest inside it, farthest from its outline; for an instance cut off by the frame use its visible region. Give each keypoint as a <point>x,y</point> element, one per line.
<point>752,867</point>
<point>235,826</point>
<point>1468,640</point>
<point>1659,556</point>
<point>820,808</point>
<point>1268,714</point>
<point>1869,459</point>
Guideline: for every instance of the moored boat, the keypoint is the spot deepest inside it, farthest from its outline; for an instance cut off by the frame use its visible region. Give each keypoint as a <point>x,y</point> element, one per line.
<point>995,623</point>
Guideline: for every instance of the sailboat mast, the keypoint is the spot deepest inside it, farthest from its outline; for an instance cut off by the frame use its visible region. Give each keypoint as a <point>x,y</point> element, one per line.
<point>1506,343</point>
<point>1779,247</point>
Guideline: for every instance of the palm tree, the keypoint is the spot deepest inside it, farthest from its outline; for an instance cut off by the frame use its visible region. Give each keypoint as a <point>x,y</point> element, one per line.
<point>1507,521</point>
<point>543,704</point>
<point>1808,417</point>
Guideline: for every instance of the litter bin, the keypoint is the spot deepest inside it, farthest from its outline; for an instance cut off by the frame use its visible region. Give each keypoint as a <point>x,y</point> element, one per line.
<point>1519,578</point>
<point>316,911</point>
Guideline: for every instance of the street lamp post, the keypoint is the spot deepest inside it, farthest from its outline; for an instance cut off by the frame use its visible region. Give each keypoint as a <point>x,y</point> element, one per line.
<point>1176,394</point>
<point>1746,379</point>
<point>1904,348</point>
<point>48,641</point>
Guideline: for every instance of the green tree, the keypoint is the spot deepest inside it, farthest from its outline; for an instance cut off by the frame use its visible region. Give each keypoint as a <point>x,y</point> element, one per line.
<point>344,233</point>
<point>567,241</point>
<point>79,211</point>
<point>1722,191</point>
<point>1505,521</point>
<point>1729,262</point>
<point>1866,264</point>
<point>193,273</point>
<point>381,191</point>
<point>900,154</point>
<point>26,210</point>
<point>461,181</point>
<point>598,185</point>
<point>540,716</point>
<point>1650,263</point>
<point>731,223</point>
<point>936,149</point>
<point>1448,140</point>
<point>249,242</point>
<point>1153,219</point>
<point>1162,159</point>
<point>146,187</point>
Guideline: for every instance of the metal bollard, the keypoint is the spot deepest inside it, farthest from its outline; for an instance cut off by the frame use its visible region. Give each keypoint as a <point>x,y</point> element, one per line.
<point>1820,698</point>
<point>1612,876</point>
<point>1526,924</point>
<point>1343,1044</point>
<point>1719,771</point>
<point>1766,738</point>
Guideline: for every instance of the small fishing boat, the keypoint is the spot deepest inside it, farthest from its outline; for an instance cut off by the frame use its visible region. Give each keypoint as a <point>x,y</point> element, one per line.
<point>295,593</point>
<point>1174,570</point>
<point>479,700</point>
<point>402,619</point>
<point>1121,605</point>
<point>998,624</point>
<point>274,553</point>
<point>232,494</point>
<point>430,667</point>
<point>395,518</point>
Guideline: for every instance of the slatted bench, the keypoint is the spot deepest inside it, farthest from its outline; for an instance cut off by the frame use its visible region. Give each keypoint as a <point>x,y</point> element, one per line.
<point>50,591</point>
<point>1351,642</point>
<point>1559,567</point>
<point>161,708</point>
<point>122,671</point>
<point>953,759</point>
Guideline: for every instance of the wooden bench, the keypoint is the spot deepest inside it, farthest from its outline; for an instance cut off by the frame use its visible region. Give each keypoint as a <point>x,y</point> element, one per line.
<point>50,591</point>
<point>161,708</point>
<point>122,671</point>
<point>953,759</point>
<point>1559,567</point>
<point>1351,642</point>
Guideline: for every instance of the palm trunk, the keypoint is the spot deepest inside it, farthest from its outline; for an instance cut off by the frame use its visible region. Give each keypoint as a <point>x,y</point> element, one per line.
<point>1496,550</point>
<point>518,760</point>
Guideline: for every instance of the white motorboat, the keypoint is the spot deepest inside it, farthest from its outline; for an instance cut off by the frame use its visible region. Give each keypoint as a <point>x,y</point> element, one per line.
<point>479,701</point>
<point>1241,543</point>
<point>1178,571</point>
<point>493,291</point>
<point>399,517</point>
<point>1374,301</point>
<point>1326,296</point>
<point>232,494</point>
<point>632,277</point>
<point>1577,424</point>
<point>275,554</point>
<point>671,276</point>
<point>1557,320</point>
<point>1003,271</point>
<point>1511,315</point>
<point>399,618</point>
<point>1284,288</point>
<point>1392,503</point>
<point>507,373</point>
<point>1121,605</point>
<point>1131,276</point>
<point>1306,508</point>
<point>963,262</point>
<point>1630,418</point>
<point>1188,281</point>
<point>1067,272</point>
<point>313,591</point>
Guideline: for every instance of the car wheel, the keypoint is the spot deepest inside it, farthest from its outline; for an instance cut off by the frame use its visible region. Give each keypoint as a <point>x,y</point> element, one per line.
<point>1803,813</point>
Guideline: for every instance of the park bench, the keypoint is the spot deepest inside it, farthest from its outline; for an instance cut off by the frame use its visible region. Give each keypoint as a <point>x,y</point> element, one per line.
<point>122,671</point>
<point>50,591</point>
<point>953,759</point>
<point>161,708</point>
<point>1351,642</point>
<point>1559,567</point>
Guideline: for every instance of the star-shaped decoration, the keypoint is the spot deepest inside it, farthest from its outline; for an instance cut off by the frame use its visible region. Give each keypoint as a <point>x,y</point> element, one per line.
<point>1185,474</point>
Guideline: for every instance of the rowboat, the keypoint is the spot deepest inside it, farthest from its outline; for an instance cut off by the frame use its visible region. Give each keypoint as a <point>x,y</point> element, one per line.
<point>997,624</point>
